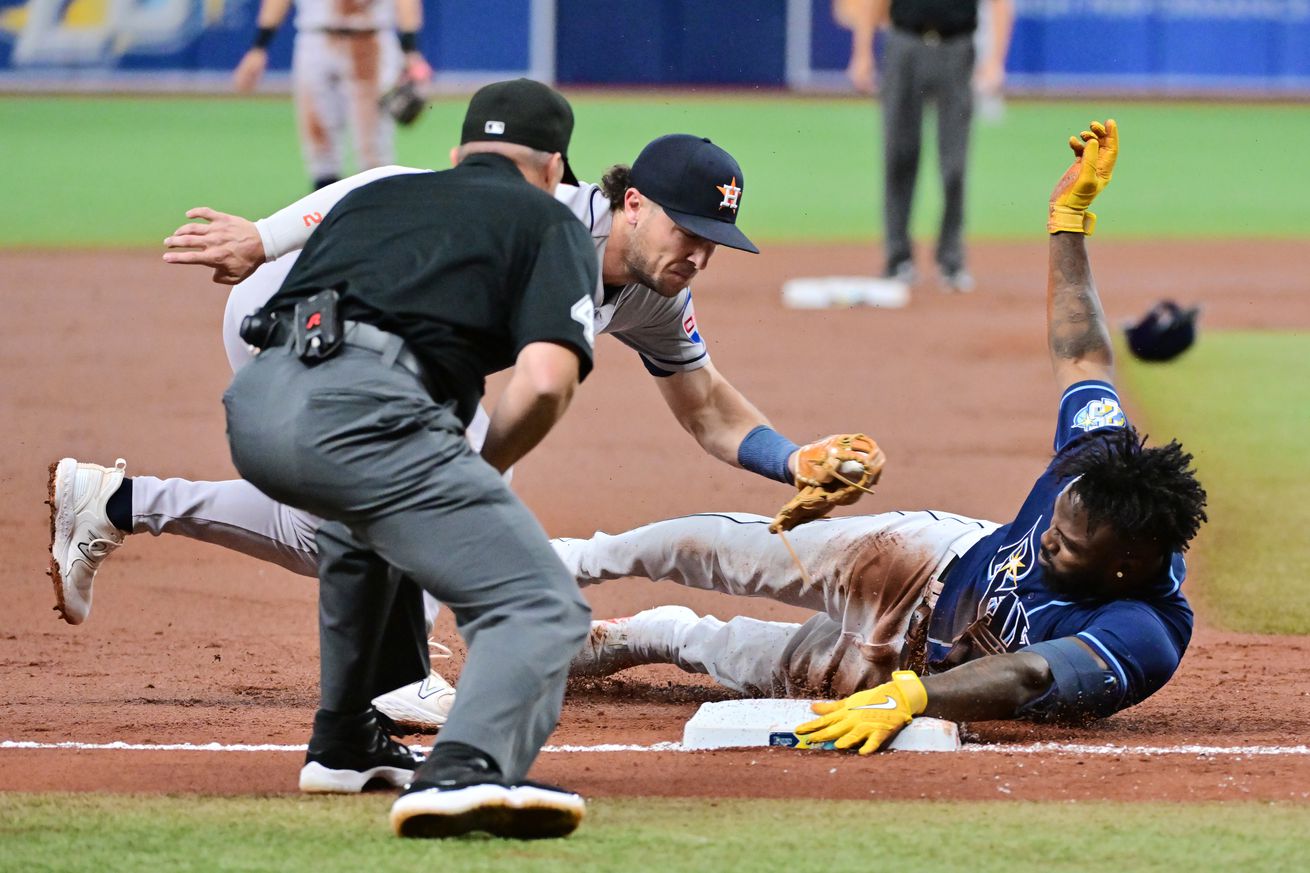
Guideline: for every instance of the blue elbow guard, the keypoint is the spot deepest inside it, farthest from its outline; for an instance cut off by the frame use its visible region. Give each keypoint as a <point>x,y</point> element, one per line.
<point>1082,688</point>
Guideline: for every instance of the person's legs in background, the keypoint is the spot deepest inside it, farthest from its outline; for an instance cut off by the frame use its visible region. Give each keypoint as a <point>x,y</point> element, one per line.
<point>954,123</point>
<point>320,106</point>
<point>902,122</point>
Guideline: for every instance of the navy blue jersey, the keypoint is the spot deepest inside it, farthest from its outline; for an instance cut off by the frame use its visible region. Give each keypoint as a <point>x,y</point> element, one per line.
<point>999,583</point>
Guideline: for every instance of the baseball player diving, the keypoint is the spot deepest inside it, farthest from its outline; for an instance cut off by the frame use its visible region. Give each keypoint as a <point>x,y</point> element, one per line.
<point>655,227</point>
<point>1072,609</point>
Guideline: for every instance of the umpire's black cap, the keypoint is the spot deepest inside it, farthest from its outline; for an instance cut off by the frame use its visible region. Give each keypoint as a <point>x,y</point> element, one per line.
<point>1164,333</point>
<point>698,184</point>
<point>523,112</point>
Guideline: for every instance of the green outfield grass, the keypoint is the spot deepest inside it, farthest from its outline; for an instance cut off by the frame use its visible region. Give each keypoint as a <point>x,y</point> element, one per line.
<point>1240,402</point>
<point>103,833</point>
<point>120,171</point>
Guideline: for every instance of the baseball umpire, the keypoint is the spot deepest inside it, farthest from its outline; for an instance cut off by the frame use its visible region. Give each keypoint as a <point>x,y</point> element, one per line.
<point>375,349</point>
<point>1072,609</point>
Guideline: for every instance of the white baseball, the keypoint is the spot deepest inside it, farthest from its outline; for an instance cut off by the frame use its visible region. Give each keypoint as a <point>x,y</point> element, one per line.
<point>851,468</point>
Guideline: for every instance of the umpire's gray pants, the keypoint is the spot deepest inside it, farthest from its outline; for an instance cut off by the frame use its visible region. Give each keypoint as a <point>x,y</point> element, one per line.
<point>362,445</point>
<point>915,72</point>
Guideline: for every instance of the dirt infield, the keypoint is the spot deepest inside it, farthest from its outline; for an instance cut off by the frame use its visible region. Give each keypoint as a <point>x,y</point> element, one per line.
<point>114,354</point>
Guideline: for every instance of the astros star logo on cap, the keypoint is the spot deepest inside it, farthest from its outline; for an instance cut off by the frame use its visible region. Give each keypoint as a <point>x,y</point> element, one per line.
<point>730,194</point>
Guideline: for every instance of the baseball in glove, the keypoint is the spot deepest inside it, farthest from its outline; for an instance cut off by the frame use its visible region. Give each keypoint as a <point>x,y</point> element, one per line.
<point>403,102</point>
<point>831,472</point>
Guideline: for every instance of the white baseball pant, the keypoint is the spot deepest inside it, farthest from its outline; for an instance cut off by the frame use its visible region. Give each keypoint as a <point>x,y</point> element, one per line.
<point>868,574</point>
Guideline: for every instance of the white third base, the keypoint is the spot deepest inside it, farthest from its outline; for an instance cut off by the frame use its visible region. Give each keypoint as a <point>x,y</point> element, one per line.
<point>840,292</point>
<point>745,723</point>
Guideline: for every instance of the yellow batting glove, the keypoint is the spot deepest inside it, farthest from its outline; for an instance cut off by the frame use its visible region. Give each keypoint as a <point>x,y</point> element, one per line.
<point>870,717</point>
<point>1096,149</point>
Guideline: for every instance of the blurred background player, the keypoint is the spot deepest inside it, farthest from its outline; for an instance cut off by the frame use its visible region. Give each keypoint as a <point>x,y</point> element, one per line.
<point>347,54</point>
<point>928,56</point>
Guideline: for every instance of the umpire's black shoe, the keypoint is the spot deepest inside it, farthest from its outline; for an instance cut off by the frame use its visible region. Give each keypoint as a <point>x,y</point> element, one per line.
<point>346,754</point>
<point>462,791</point>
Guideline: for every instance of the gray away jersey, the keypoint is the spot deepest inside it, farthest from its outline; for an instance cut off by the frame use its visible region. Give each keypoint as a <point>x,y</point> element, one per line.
<point>662,330</point>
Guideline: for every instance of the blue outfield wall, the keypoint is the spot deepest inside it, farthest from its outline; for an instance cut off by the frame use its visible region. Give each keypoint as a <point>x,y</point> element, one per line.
<point>683,42</point>
<point>1059,45</point>
<point>1148,45</point>
<point>48,37</point>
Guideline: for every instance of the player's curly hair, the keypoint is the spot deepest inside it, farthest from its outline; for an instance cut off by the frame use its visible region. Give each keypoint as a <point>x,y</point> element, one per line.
<point>1137,491</point>
<point>614,184</point>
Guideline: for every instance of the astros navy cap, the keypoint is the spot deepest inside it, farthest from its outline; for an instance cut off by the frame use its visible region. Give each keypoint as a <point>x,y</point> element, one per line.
<point>1164,333</point>
<point>522,112</point>
<point>698,184</point>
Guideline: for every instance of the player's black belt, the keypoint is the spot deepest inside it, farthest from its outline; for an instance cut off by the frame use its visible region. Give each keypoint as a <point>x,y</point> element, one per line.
<point>933,35</point>
<point>348,31</point>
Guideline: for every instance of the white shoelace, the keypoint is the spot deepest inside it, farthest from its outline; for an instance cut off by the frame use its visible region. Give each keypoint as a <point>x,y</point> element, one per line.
<point>100,547</point>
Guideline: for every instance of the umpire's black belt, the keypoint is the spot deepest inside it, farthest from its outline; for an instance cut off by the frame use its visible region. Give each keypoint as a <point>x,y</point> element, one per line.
<point>370,338</point>
<point>931,35</point>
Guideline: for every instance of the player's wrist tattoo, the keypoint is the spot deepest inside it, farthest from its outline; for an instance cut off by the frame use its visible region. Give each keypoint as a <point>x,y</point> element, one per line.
<point>1077,325</point>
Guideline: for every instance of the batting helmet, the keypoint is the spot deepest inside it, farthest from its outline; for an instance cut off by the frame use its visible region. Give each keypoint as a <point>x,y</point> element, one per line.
<point>1164,333</point>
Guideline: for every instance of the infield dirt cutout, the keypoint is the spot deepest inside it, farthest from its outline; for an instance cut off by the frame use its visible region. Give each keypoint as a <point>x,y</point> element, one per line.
<point>114,354</point>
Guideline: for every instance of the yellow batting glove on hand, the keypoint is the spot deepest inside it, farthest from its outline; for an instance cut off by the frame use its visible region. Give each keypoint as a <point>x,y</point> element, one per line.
<point>1097,149</point>
<point>870,717</point>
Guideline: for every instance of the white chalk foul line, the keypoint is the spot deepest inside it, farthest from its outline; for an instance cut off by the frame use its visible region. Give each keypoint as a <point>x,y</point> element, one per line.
<point>1112,749</point>
<point>1108,749</point>
<point>120,746</point>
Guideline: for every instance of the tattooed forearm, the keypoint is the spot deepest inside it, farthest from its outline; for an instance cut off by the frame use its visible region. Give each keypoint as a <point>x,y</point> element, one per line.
<point>1075,323</point>
<point>994,687</point>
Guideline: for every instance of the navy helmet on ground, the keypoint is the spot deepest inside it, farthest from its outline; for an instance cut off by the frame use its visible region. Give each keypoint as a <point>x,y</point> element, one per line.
<point>1164,333</point>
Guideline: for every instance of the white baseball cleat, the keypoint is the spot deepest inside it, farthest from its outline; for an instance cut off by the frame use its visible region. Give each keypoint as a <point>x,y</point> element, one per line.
<point>421,706</point>
<point>81,535</point>
<point>619,643</point>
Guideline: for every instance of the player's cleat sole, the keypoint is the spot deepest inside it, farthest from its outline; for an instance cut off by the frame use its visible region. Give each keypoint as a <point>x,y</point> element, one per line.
<point>81,535</point>
<point>318,779</point>
<point>522,812</point>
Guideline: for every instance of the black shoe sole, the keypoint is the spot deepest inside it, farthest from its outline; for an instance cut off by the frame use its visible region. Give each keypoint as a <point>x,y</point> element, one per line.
<point>439,817</point>
<point>517,824</point>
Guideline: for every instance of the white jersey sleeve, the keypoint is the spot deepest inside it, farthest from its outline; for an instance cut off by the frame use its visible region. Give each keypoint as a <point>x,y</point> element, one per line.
<point>662,330</point>
<point>288,229</point>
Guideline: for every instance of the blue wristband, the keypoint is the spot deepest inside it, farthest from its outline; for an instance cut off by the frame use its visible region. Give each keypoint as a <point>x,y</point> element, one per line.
<point>765,451</point>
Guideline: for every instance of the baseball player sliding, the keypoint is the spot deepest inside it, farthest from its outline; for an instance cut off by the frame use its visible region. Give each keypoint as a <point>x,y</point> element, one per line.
<point>1072,609</point>
<point>346,56</point>
<point>654,226</point>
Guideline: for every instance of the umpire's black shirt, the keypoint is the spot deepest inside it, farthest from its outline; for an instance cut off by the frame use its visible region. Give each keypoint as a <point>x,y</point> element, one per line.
<point>468,266</point>
<point>944,17</point>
